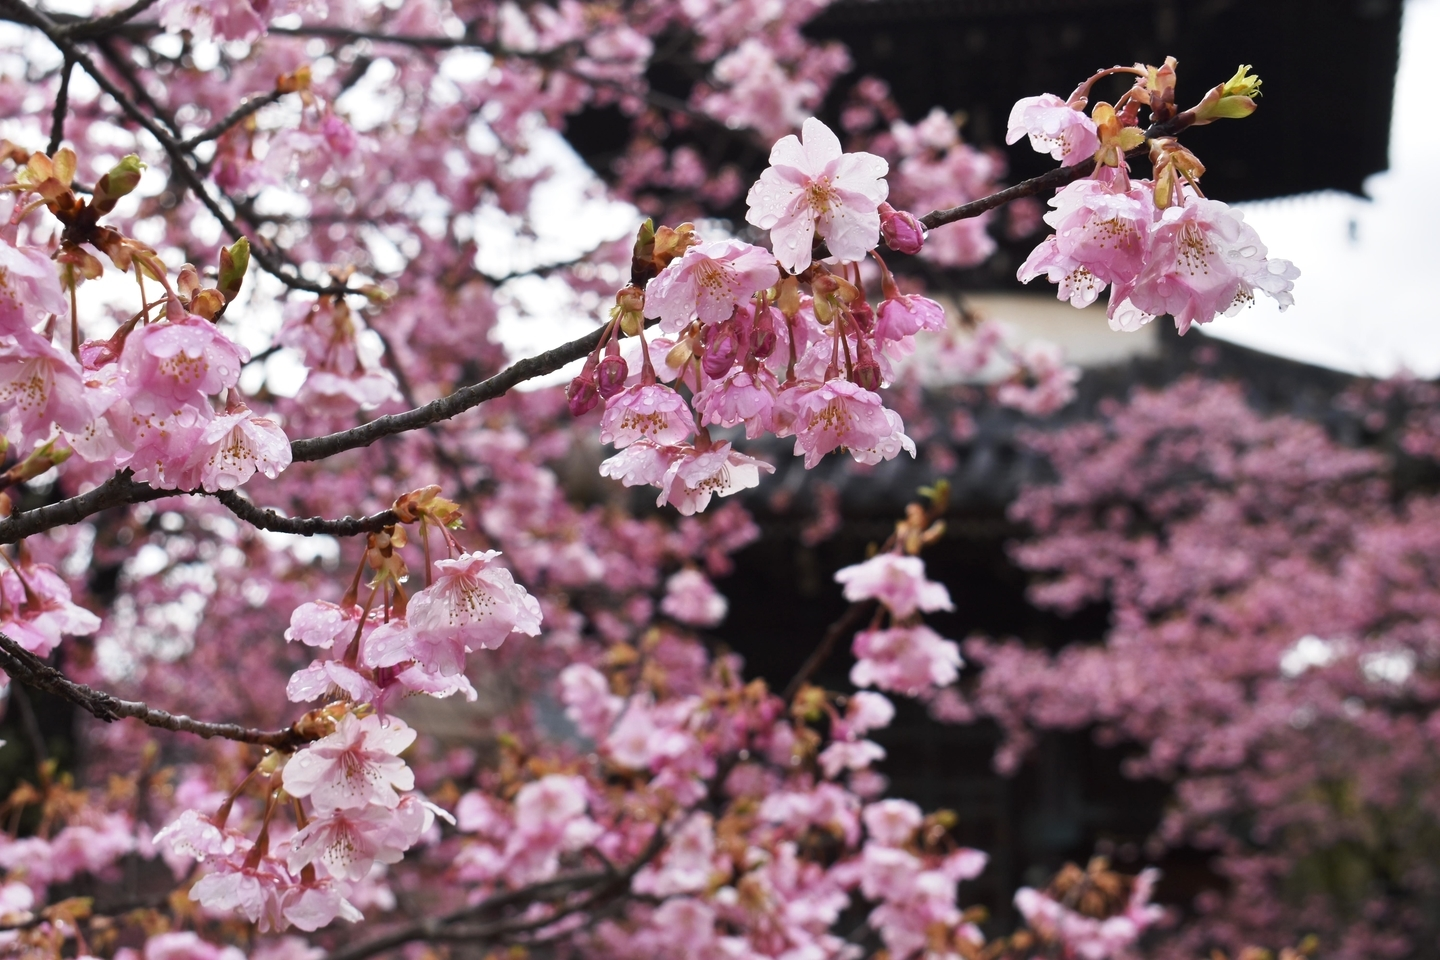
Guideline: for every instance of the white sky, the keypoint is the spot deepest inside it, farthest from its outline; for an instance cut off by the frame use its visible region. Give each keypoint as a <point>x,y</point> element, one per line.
<point>1364,302</point>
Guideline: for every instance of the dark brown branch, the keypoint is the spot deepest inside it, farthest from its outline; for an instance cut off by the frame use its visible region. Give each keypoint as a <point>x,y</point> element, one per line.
<point>62,107</point>
<point>218,128</point>
<point>848,623</point>
<point>267,519</point>
<point>446,407</point>
<point>606,884</point>
<point>20,12</point>
<point>120,490</point>
<point>103,26</point>
<point>24,667</point>
<point>115,492</point>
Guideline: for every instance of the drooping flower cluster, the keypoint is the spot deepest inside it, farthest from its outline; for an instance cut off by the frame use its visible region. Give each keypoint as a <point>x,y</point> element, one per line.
<point>1160,245</point>
<point>145,398</point>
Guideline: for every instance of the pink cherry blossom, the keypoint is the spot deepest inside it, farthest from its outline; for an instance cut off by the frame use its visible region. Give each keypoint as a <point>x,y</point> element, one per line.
<point>350,842</point>
<point>322,624</point>
<point>642,463</point>
<point>652,412</point>
<point>837,414</point>
<point>709,281</point>
<point>897,581</point>
<point>1102,236</point>
<point>691,598</point>
<point>906,660</point>
<point>892,823</point>
<point>694,476</point>
<point>740,397</point>
<point>813,188</point>
<point>174,364</point>
<point>1204,261</point>
<point>904,316</point>
<point>474,602</point>
<point>1054,127</point>
<point>38,610</point>
<point>41,385</point>
<point>588,700</point>
<point>236,445</point>
<point>29,288</point>
<point>356,766</point>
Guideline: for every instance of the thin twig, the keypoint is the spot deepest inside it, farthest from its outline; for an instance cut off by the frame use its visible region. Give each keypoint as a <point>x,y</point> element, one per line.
<point>848,623</point>
<point>218,128</point>
<point>23,13</point>
<point>62,107</point>
<point>25,667</point>
<point>446,926</point>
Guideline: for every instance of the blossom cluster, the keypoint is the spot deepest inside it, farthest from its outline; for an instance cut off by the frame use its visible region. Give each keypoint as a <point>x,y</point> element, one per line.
<point>1159,244</point>
<point>158,396</point>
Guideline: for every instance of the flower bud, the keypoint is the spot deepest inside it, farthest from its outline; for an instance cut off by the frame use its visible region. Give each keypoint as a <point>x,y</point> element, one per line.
<point>611,375</point>
<point>630,309</point>
<point>120,181</point>
<point>902,230</point>
<point>1231,100</point>
<point>864,316</point>
<point>582,395</point>
<point>762,335</point>
<point>722,346</point>
<point>866,372</point>
<point>680,354</point>
<point>234,261</point>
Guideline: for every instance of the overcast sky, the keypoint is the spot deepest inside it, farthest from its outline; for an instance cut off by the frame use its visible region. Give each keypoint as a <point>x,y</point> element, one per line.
<point>1366,301</point>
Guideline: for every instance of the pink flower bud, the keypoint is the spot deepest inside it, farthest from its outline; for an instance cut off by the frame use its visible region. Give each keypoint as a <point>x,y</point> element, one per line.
<point>722,346</point>
<point>864,316</point>
<point>902,230</point>
<point>582,394</point>
<point>866,371</point>
<point>762,334</point>
<point>611,375</point>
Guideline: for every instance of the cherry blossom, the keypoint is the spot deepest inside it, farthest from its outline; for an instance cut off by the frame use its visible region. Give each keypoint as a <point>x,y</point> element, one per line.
<point>812,188</point>
<point>709,281</point>
<point>652,412</point>
<point>691,598</point>
<point>897,581</point>
<point>1206,261</point>
<point>354,767</point>
<point>1054,127</point>
<point>474,603</point>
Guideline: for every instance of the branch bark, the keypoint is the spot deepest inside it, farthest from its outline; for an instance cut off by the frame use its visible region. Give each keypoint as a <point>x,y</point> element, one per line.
<point>24,667</point>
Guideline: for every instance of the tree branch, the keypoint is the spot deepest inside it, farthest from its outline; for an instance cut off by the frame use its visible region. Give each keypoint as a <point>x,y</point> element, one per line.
<point>848,623</point>
<point>23,13</point>
<point>218,128</point>
<point>319,448</point>
<point>24,667</point>
<point>62,107</point>
<point>102,26</point>
<point>266,519</point>
<point>606,883</point>
<point>120,490</point>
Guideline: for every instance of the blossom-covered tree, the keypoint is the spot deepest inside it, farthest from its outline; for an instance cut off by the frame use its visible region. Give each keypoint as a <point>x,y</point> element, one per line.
<point>1271,652</point>
<point>344,175</point>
